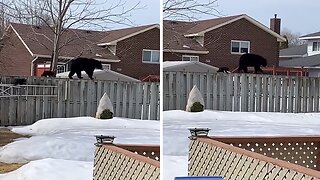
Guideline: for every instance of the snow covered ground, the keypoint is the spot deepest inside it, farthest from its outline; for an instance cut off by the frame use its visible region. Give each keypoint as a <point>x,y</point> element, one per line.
<point>176,124</point>
<point>63,148</point>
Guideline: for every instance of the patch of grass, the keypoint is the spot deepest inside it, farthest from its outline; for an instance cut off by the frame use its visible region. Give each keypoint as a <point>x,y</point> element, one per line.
<point>6,137</point>
<point>5,168</point>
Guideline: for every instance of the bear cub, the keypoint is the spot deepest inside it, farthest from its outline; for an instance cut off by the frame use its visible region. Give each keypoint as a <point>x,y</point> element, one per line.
<point>84,64</point>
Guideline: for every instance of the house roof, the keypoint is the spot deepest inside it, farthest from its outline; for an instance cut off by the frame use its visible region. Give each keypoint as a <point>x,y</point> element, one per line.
<point>201,26</point>
<point>174,39</point>
<point>208,25</point>
<point>311,36</point>
<point>84,43</point>
<point>295,51</point>
<point>188,66</point>
<point>307,62</point>
<point>113,36</point>
<point>38,40</point>
<point>178,35</point>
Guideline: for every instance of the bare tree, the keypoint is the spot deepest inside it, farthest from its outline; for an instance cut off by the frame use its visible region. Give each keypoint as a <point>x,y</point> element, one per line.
<point>292,38</point>
<point>61,15</point>
<point>189,9</point>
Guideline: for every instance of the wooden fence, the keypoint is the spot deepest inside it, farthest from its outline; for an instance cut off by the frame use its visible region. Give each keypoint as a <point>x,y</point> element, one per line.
<point>243,92</point>
<point>50,97</point>
<point>208,157</point>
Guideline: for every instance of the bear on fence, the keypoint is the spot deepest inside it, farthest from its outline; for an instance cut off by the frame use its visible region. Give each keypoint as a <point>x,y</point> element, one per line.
<point>84,64</point>
<point>251,60</point>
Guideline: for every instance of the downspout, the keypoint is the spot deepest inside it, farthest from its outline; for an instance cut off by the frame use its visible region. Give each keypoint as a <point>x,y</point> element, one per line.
<point>32,65</point>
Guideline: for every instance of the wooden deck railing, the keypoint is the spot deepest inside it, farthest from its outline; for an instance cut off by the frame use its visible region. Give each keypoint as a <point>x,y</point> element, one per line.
<point>124,162</point>
<point>301,150</point>
<point>254,157</point>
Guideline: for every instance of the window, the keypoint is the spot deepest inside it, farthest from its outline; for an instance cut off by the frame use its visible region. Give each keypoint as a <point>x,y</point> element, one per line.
<point>240,47</point>
<point>316,46</point>
<point>106,66</point>
<point>151,56</point>
<point>61,68</point>
<point>190,58</point>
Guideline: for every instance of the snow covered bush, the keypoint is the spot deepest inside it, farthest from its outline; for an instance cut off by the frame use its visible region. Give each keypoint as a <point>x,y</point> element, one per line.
<point>195,101</point>
<point>105,109</point>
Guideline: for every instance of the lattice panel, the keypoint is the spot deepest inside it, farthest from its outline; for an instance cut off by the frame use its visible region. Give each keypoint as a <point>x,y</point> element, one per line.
<point>110,165</point>
<point>301,153</point>
<point>149,154</point>
<point>209,160</point>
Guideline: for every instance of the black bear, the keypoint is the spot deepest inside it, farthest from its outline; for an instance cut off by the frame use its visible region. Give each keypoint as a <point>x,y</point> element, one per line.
<point>84,64</point>
<point>20,81</point>
<point>223,69</point>
<point>251,60</point>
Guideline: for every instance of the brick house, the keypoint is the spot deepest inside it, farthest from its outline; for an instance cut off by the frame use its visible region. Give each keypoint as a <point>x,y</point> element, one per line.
<point>220,42</point>
<point>26,49</point>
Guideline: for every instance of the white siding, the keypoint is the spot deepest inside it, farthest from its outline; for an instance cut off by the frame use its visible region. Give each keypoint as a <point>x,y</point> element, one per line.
<point>310,52</point>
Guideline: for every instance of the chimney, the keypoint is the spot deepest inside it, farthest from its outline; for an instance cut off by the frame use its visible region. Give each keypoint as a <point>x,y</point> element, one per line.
<point>275,24</point>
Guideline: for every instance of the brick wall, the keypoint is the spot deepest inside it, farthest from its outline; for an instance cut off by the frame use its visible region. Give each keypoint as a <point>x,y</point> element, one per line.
<point>130,53</point>
<point>14,57</point>
<point>218,42</point>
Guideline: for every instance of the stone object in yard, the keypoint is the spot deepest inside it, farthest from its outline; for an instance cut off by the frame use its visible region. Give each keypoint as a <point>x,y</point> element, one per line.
<point>105,109</point>
<point>195,101</point>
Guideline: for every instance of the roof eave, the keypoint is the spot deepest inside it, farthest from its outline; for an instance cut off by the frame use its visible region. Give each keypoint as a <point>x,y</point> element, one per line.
<point>70,57</point>
<point>114,42</point>
<point>22,41</point>
<point>263,27</point>
<point>288,56</point>
<point>186,51</point>
<point>107,44</point>
<point>309,38</point>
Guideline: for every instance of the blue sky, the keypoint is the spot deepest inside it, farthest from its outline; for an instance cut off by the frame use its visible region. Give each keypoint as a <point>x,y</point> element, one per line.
<point>148,13</point>
<point>299,16</point>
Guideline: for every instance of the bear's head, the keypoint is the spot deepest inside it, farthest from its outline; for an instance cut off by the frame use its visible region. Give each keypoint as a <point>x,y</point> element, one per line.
<point>98,65</point>
<point>263,62</point>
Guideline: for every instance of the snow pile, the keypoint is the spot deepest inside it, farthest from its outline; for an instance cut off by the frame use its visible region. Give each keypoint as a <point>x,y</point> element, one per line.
<point>63,148</point>
<point>176,124</point>
<point>52,169</point>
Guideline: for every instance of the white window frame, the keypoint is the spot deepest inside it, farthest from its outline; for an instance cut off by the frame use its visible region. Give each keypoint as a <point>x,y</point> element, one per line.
<point>189,56</point>
<point>152,51</point>
<point>106,66</point>
<point>240,42</point>
<point>318,46</point>
<point>63,68</point>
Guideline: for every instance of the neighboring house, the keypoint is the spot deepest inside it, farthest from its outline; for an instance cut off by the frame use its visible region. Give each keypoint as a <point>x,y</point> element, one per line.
<point>220,42</point>
<point>306,56</point>
<point>293,52</point>
<point>133,51</point>
<point>188,66</point>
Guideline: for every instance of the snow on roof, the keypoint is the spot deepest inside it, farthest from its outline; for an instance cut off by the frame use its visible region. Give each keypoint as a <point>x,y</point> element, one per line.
<point>188,66</point>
